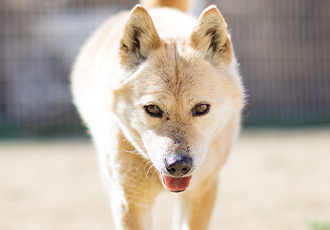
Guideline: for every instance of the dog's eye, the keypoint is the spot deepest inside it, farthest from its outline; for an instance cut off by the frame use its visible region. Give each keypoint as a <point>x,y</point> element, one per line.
<point>201,109</point>
<point>153,110</point>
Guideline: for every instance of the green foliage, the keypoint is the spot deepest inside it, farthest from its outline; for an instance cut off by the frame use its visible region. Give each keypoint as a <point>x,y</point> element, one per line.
<point>317,225</point>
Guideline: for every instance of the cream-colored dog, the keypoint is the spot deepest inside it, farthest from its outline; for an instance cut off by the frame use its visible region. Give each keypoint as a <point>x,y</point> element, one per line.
<point>161,95</point>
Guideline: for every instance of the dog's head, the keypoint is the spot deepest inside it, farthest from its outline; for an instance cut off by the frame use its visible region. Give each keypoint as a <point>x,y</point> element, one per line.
<point>177,92</point>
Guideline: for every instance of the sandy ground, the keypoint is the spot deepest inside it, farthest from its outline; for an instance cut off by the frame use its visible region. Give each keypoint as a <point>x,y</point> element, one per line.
<point>273,180</point>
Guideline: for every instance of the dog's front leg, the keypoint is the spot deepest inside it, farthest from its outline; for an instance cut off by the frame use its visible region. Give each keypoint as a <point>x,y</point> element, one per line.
<point>197,205</point>
<point>134,186</point>
<point>129,215</point>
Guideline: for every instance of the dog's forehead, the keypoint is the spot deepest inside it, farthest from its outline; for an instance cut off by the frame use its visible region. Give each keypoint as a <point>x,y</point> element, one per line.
<point>177,70</point>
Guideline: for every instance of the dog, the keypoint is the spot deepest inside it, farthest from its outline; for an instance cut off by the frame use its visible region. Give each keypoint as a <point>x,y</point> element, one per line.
<point>162,96</point>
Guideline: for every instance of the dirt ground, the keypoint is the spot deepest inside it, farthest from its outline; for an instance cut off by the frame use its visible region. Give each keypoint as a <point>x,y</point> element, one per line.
<point>273,180</point>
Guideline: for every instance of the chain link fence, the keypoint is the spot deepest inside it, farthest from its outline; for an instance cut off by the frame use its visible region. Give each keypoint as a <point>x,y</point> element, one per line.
<point>283,47</point>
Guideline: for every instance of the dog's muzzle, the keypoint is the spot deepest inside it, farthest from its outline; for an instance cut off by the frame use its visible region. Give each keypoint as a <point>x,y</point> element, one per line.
<point>178,167</point>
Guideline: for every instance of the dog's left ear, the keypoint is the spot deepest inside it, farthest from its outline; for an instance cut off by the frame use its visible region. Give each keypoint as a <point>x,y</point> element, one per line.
<point>211,36</point>
<point>139,38</point>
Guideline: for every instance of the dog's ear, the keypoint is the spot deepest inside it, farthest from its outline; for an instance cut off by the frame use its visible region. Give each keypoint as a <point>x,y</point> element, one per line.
<point>211,36</point>
<point>139,38</point>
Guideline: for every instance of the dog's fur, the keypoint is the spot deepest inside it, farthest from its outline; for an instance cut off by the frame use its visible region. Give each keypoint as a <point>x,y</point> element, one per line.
<point>166,58</point>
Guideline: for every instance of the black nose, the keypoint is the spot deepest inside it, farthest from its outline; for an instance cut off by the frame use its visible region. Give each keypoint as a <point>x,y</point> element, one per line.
<point>178,165</point>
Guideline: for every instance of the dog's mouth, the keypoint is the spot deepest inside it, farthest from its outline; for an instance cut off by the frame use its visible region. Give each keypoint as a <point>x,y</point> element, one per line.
<point>176,184</point>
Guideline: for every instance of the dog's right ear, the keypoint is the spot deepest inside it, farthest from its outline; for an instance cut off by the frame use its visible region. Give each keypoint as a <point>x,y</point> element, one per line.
<point>139,38</point>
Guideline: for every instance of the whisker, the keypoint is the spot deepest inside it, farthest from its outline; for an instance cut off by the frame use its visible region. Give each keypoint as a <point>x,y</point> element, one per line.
<point>155,170</point>
<point>131,151</point>
<point>147,164</point>
<point>148,171</point>
<point>140,165</point>
<point>135,151</point>
<point>148,168</point>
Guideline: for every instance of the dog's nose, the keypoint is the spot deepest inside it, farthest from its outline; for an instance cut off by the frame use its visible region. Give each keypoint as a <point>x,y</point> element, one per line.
<point>178,165</point>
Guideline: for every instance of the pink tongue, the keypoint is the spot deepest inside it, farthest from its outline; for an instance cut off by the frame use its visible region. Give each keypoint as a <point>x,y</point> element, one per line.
<point>177,184</point>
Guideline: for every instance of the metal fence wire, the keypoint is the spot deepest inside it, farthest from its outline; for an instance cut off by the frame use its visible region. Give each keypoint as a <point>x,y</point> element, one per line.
<point>283,47</point>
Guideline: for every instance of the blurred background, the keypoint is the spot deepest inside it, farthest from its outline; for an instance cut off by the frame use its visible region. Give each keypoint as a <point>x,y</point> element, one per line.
<point>283,47</point>
<point>278,176</point>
